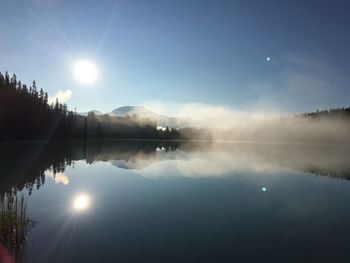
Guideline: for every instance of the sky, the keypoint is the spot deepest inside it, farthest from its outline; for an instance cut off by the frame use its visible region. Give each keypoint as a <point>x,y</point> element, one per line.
<point>263,56</point>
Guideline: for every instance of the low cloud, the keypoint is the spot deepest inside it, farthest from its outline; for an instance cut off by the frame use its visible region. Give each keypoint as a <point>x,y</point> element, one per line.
<point>62,95</point>
<point>226,123</point>
<point>209,115</point>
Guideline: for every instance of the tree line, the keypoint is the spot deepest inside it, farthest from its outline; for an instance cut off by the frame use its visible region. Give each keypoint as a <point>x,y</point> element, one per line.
<point>331,113</point>
<point>25,114</point>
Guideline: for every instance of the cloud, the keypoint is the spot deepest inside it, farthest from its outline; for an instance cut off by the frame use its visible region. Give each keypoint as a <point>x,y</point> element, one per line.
<point>227,123</point>
<point>167,108</point>
<point>209,164</point>
<point>62,95</point>
<point>210,115</point>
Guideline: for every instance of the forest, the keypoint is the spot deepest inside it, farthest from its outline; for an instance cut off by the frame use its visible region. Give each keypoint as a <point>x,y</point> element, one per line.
<point>331,113</point>
<point>25,114</point>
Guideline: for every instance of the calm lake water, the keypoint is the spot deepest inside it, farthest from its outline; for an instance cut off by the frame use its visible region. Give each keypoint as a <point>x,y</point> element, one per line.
<point>144,201</point>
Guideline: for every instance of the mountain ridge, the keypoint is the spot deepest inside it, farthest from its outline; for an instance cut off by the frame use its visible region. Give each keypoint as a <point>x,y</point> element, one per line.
<point>144,112</point>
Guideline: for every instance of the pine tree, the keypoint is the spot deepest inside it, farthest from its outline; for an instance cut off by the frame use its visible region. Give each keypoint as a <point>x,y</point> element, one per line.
<point>34,89</point>
<point>46,98</point>
<point>13,81</point>
<point>41,95</point>
<point>7,78</point>
<point>2,81</point>
<point>19,86</point>
<point>56,105</point>
<point>25,89</point>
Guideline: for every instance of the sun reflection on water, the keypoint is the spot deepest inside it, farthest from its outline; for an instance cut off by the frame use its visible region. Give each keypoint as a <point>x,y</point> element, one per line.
<point>81,202</point>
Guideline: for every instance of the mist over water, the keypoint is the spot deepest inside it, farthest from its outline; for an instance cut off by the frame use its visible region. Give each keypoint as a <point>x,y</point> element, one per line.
<point>288,130</point>
<point>225,123</point>
<point>223,159</point>
<point>152,159</point>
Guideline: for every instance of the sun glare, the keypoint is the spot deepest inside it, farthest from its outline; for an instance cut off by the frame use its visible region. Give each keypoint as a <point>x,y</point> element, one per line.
<point>85,72</point>
<point>81,202</point>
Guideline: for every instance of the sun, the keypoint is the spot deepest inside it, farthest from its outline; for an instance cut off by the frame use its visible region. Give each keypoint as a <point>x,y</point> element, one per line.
<point>85,72</point>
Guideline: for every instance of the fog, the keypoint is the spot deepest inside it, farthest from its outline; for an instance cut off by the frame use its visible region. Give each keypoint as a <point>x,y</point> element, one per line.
<point>226,123</point>
<point>287,129</point>
<point>221,159</point>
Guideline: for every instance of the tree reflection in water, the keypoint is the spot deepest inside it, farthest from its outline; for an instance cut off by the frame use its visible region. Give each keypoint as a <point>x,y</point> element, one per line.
<point>27,165</point>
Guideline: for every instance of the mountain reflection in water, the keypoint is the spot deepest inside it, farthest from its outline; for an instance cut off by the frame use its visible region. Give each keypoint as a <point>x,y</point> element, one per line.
<point>26,165</point>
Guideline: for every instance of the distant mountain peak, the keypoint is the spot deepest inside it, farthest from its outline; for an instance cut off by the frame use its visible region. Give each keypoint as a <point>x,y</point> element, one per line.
<point>96,112</point>
<point>139,111</point>
<point>144,112</point>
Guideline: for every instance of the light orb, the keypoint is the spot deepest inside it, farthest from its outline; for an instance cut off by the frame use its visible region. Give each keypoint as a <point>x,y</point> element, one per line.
<point>85,72</point>
<point>268,59</point>
<point>81,202</point>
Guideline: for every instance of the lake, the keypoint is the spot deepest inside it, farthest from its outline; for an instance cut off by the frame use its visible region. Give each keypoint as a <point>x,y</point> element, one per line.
<point>158,201</point>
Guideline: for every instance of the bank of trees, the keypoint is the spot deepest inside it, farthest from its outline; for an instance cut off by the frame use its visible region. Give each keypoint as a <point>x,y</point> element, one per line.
<point>331,113</point>
<point>129,127</point>
<point>25,114</point>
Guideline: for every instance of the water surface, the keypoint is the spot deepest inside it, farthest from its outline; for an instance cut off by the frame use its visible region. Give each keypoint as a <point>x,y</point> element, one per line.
<point>149,201</point>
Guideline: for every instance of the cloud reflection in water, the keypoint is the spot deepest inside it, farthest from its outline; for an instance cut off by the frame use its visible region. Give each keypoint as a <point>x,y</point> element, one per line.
<point>58,177</point>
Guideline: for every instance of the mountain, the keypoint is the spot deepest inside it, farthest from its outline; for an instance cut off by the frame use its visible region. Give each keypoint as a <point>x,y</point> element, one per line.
<point>143,112</point>
<point>94,111</point>
<point>140,111</point>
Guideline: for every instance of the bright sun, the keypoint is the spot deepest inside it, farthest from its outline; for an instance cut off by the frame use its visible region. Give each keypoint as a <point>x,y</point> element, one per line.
<point>85,72</point>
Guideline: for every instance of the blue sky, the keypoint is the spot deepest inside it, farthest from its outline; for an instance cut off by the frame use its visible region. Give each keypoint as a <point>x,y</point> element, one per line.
<point>180,52</point>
